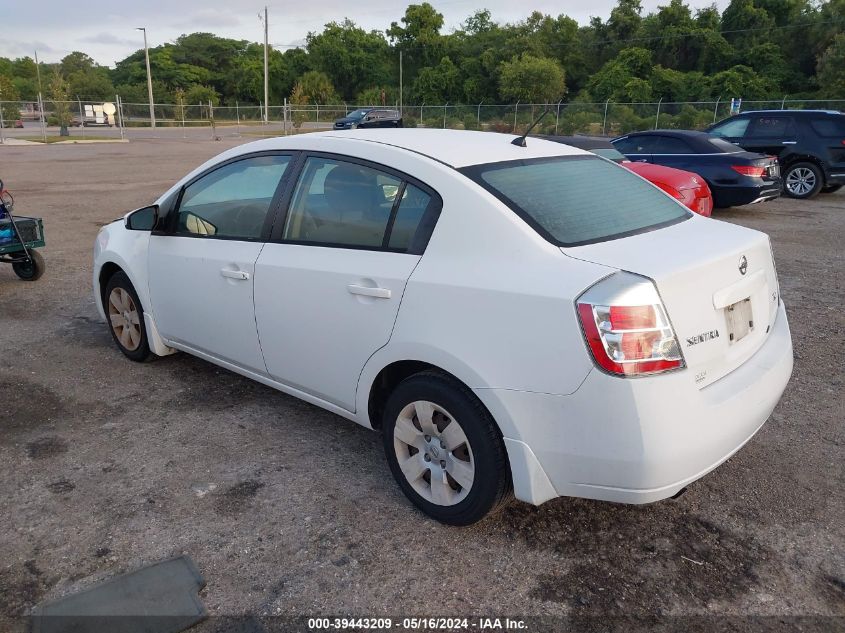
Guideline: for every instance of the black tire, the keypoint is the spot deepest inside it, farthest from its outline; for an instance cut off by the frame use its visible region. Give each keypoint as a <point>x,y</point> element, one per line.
<point>491,486</point>
<point>30,270</point>
<point>813,174</point>
<point>142,351</point>
<point>831,188</point>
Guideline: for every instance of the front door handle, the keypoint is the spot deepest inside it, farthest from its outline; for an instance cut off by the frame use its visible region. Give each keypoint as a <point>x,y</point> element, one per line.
<point>790,142</point>
<point>234,274</point>
<point>367,291</point>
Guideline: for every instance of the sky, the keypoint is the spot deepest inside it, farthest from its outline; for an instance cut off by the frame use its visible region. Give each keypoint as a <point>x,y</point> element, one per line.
<point>106,31</point>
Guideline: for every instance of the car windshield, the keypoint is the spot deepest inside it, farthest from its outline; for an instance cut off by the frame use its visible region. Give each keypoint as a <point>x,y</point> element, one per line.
<point>357,114</point>
<point>574,200</point>
<point>609,152</point>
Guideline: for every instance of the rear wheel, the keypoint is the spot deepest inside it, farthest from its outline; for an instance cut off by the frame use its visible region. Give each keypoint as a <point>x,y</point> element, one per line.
<point>802,180</point>
<point>831,188</point>
<point>445,450</point>
<point>126,317</point>
<point>32,269</point>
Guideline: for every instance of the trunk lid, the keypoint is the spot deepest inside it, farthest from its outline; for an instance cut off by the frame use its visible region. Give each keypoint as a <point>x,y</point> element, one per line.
<point>720,314</point>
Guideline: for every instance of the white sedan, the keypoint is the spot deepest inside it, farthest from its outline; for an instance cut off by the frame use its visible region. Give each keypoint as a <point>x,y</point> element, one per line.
<point>532,318</point>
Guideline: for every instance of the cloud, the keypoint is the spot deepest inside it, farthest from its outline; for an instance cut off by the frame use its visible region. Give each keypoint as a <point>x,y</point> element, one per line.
<point>210,18</point>
<point>109,39</point>
<point>16,48</point>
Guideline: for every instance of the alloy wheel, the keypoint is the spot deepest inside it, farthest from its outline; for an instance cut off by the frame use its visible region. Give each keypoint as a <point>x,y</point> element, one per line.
<point>800,181</point>
<point>124,318</point>
<point>433,453</point>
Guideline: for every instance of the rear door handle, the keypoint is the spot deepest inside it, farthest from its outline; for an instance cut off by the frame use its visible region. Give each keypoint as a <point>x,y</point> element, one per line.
<point>234,274</point>
<point>790,142</point>
<point>378,293</point>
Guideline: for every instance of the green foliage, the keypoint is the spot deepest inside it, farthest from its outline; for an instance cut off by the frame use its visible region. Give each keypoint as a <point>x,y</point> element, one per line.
<point>831,68</point>
<point>532,80</point>
<point>755,49</point>
<point>352,58</point>
<point>438,84</point>
<point>316,87</point>
<point>8,92</point>
<point>59,94</point>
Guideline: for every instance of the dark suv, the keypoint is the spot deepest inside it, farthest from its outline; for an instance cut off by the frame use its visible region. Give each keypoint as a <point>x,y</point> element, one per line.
<point>809,144</point>
<point>369,117</point>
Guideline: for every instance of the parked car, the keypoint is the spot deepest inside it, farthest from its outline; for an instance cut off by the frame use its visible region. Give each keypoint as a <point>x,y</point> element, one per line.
<point>369,117</point>
<point>735,177</point>
<point>689,188</point>
<point>809,144</point>
<point>500,320</point>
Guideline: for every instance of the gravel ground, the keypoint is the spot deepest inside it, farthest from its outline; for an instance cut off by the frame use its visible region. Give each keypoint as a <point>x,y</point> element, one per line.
<point>106,465</point>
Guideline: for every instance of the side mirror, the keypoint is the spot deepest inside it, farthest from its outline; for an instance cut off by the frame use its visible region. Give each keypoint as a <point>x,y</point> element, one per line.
<point>142,219</point>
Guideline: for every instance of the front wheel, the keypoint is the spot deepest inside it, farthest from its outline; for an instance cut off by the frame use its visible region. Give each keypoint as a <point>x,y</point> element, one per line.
<point>802,181</point>
<point>126,317</point>
<point>445,450</point>
<point>32,269</point>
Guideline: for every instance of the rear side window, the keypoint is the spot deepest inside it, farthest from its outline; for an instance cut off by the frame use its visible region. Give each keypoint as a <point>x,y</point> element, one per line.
<point>772,127</point>
<point>340,203</point>
<point>829,126</point>
<point>578,200</point>
<point>670,145</point>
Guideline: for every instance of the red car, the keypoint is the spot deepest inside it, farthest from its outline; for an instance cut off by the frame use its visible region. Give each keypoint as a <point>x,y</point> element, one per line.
<point>689,188</point>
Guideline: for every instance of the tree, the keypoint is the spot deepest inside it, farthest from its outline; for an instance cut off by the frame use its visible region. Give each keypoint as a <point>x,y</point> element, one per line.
<point>831,68</point>
<point>351,57</point>
<point>317,87</point>
<point>419,39</point>
<point>61,108</point>
<point>532,80</point>
<point>438,84</point>
<point>8,93</point>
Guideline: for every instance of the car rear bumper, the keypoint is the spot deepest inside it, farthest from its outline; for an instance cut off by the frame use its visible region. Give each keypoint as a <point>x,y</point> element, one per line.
<point>638,440</point>
<point>738,195</point>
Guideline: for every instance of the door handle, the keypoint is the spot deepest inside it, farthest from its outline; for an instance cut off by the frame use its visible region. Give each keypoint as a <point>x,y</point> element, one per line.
<point>234,274</point>
<point>790,142</point>
<point>378,293</point>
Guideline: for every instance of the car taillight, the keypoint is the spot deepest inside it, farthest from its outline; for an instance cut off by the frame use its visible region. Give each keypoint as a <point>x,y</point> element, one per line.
<point>749,170</point>
<point>626,327</point>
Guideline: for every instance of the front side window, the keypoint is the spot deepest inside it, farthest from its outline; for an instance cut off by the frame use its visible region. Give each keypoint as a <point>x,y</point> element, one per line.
<point>832,126</point>
<point>341,203</point>
<point>578,200</point>
<point>635,144</point>
<point>735,128</point>
<point>232,201</point>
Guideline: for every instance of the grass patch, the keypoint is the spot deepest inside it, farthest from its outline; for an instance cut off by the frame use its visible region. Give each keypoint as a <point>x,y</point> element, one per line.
<point>59,139</point>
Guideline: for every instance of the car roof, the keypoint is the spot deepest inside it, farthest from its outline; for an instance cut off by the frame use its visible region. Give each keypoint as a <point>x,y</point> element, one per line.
<point>676,133</point>
<point>581,142</point>
<point>800,112</point>
<point>455,148</point>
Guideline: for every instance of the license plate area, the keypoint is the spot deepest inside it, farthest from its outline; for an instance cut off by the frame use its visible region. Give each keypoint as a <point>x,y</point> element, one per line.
<point>740,320</point>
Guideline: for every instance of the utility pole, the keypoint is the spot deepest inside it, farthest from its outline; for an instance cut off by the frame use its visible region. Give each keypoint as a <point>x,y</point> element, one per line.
<point>266,83</point>
<point>400,83</point>
<point>149,77</point>
<point>38,72</point>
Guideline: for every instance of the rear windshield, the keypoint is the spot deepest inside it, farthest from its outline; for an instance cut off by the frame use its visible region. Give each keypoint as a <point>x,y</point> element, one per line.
<point>573,200</point>
<point>829,126</point>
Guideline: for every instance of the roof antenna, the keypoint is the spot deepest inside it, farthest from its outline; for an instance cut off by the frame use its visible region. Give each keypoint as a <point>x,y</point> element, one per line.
<point>519,141</point>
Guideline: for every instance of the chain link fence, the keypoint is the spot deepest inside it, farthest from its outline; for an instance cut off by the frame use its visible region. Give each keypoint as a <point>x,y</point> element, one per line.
<point>44,120</point>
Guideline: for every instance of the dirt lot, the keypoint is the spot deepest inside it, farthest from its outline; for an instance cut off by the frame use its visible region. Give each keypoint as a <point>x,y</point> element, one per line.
<point>106,465</point>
